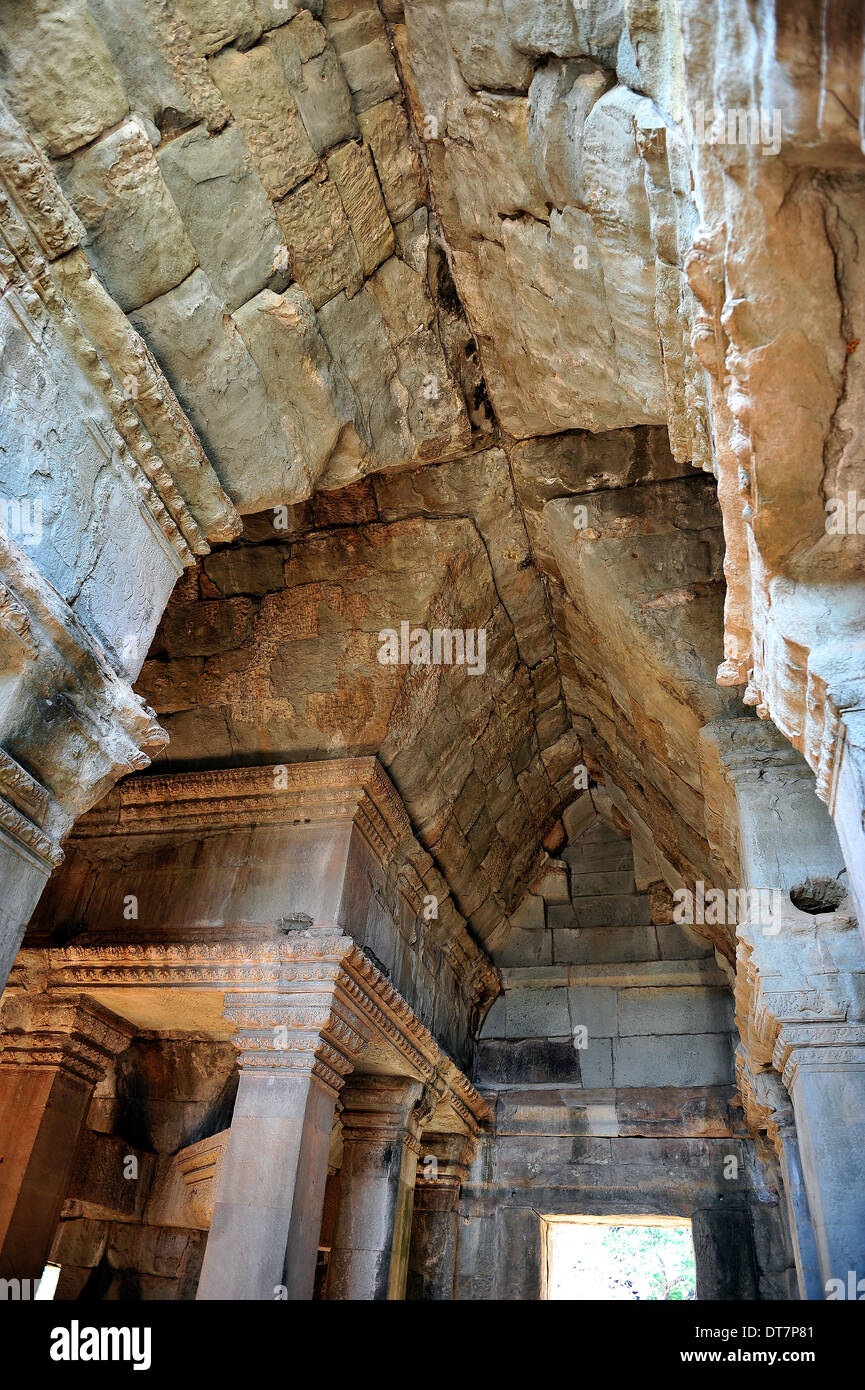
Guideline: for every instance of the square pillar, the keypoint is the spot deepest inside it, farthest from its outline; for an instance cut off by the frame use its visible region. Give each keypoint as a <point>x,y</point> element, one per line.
<point>295,1050</point>
<point>52,1053</point>
<point>442,1168</point>
<point>381,1125</point>
<point>827,1087</point>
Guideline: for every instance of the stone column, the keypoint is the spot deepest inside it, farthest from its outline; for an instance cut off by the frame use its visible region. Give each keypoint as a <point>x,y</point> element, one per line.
<point>295,1050</point>
<point>824,1071</point>
<point>799,1214</point>
<point>52,1053</point>
<point>380,1127</point>
<point>782,1131</point>
<point>442,1169</point>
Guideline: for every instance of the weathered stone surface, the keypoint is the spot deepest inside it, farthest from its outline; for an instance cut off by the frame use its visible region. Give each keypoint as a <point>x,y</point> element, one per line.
<point>57,73</point>
<point>135,236</point>
<point>215,23</point>
<point>385,129</point>
<point>352,171</point>
<point>357,32</point>
<point>163,75</point>
<point>218,383</point>
<point>316,404</point>
<point>323,255</point>
<point>257,88</point>
<point>219,196</point>
<point>485,53</point>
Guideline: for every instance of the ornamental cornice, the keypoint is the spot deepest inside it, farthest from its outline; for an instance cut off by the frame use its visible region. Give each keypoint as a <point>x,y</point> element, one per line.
<point>312,984</point>
<point>23,830</point>
<point>356,790</point>
<point>39,237</point>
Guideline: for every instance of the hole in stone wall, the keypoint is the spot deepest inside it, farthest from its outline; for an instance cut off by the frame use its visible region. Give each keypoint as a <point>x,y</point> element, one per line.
<point>619,1258</point>
<point>817,894</point>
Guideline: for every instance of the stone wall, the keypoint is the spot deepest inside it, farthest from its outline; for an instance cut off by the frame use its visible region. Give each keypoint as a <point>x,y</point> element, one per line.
<point>134,1222</point>
<point>608,1062</point>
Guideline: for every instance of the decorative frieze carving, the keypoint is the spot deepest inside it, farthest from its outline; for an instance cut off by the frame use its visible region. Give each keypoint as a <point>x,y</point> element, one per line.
<point>297,1002</point>
<point>21,789</point>
<point>355,789</point>
<point>22,829</point>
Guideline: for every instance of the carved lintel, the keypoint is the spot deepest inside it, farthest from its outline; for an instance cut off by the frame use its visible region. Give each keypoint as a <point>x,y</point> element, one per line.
<point>339,789</point>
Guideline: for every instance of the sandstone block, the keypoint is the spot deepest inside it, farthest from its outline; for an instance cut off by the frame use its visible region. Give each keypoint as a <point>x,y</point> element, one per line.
<point>601,944</point>
<point>485,53</point>
<point>385,129</point>
<point>650,1011</point>
<point>596,1063</point>
<point>316,404</point>
<point>163,75</point>
<point>135,236</point>
<point>700,1059</point>
<point>215,23</point>
<point>352,171</point>
<point>530,1061</point>
<point>324,256</point>
<point>80,1242</point>
<point>356,30</point>
<point>595,1010</point>
<point>605,883</point>
<point>615,910</point>
<point>57,73</point>
<point>257,88</point>
<point>524,948</point>
<point>537,1013</point>
<point>226,212</point>
<point>207,363</point>
<point>325,102</point>
<point>681,943</point>
<point>552,885</point>
<point>529,916</point>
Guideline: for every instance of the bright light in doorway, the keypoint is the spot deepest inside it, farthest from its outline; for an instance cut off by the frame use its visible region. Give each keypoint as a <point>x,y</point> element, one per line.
<point>48,1283</point>
<point>619,1258</point>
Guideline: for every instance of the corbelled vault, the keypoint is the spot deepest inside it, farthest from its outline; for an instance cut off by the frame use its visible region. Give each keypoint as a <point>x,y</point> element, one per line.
<point>432,671</point>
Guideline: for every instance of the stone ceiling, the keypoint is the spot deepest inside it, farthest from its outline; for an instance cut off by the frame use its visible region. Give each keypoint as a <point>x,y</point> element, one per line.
<point>473,333</point>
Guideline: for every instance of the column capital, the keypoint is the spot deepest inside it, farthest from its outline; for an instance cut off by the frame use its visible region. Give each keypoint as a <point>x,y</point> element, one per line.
<point>74,1035</point>
<point>310,1033</point>
<point>453,1155</point>
<point>829,1045</point>
<point>383,1109</point>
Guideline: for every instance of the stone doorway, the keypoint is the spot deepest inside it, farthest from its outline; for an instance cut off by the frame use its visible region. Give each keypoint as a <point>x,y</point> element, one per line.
<point>618,1258</point>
